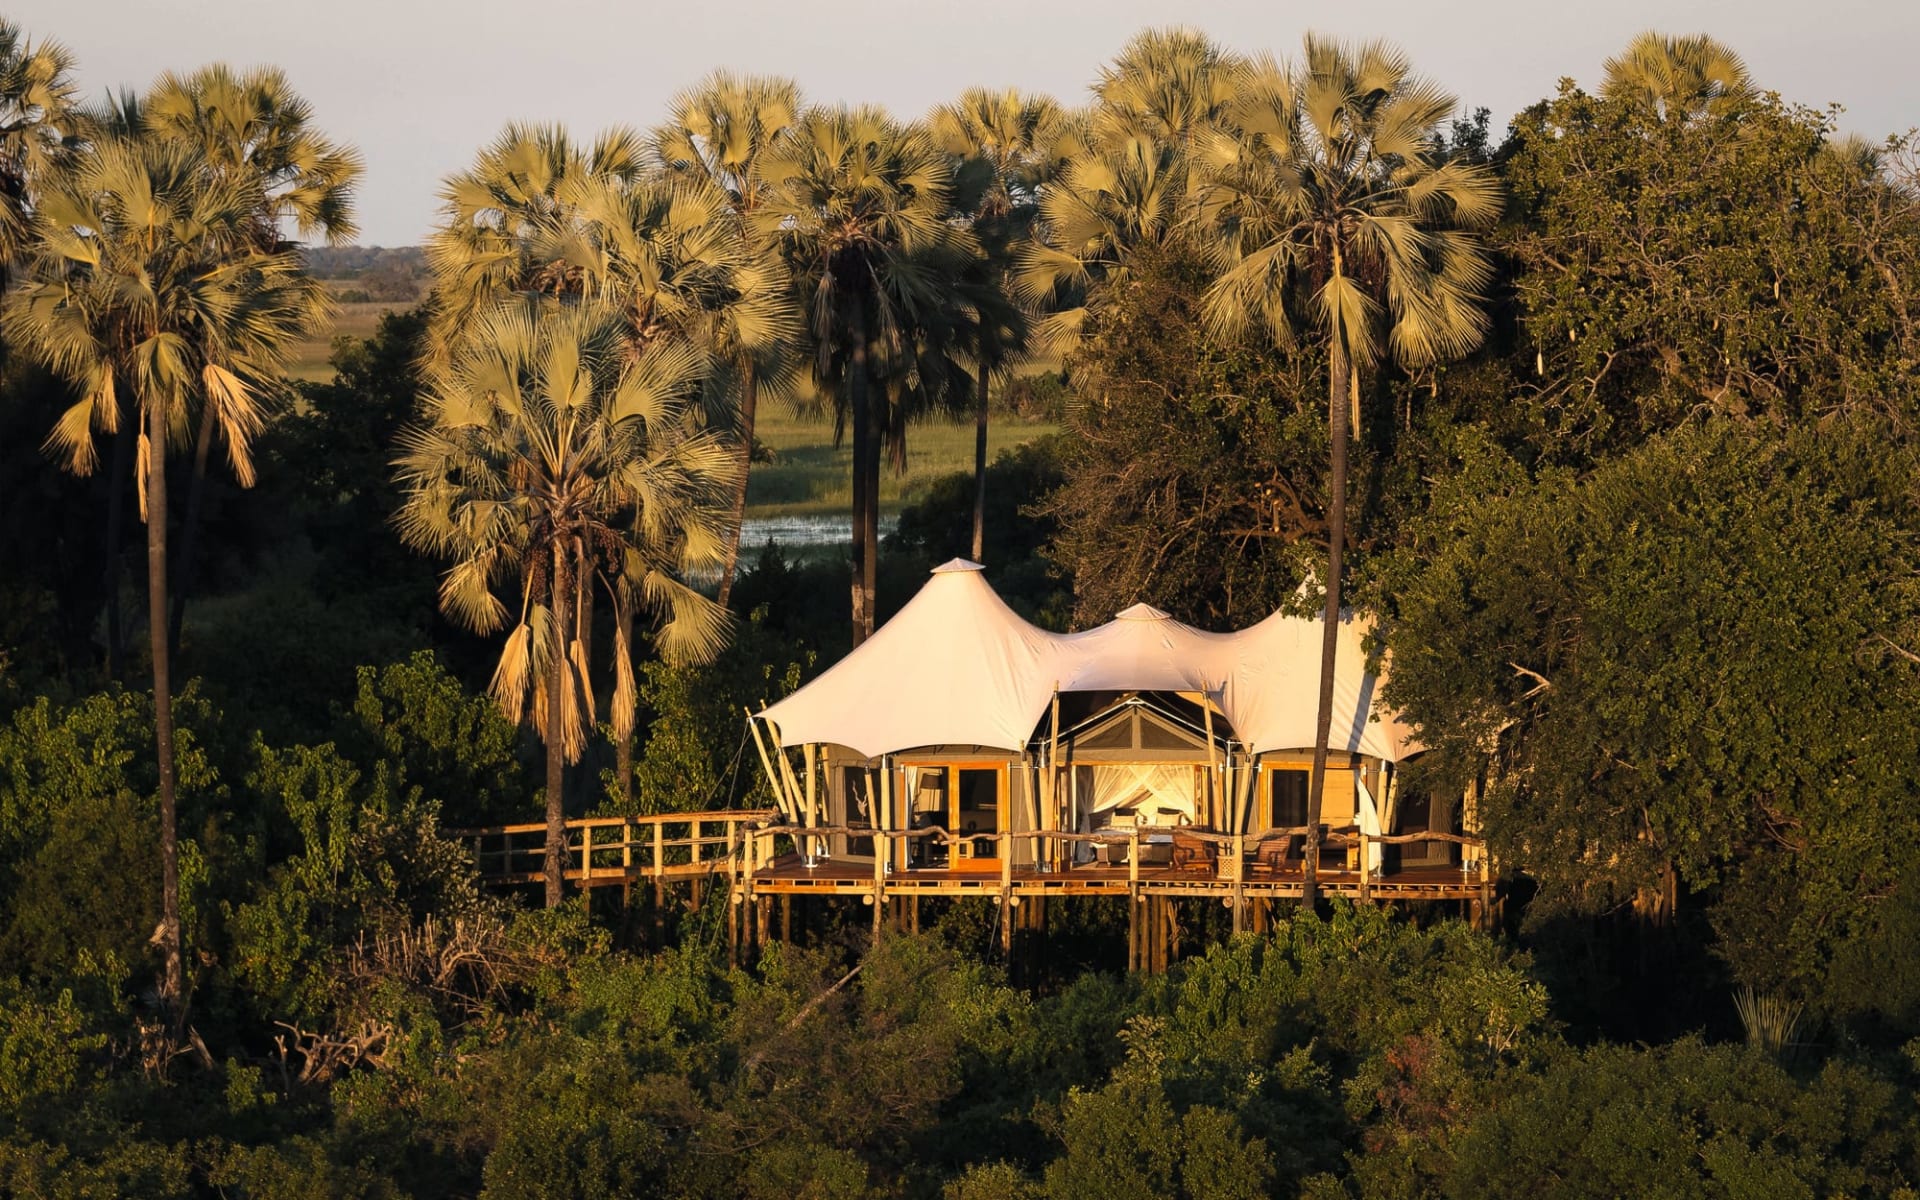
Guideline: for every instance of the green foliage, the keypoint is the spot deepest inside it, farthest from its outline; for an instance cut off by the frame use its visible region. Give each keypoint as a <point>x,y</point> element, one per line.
<point>1738,262</point>
<point>1666,633</point>
<point>1689,1120</point>
<point>79,872</point>
<point>939,527</point>
<point>453,745</point>
<point>696,756</point>
<point>1647,572</point>
<point>45,1048</point>
<point>1194,473</point>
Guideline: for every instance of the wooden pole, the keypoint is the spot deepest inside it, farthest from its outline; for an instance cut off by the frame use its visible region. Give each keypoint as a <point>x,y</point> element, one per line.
<point>1133,932</point>
<point>586,868</point>
<point>1054,815</point>
<point>1003,842</point>
<point>1214,800</point>
<point>766,764</point>
<point>1239,884</point>
<point>1366,891</point>
<point>626,863</point>
<point>793,785</point>
<point>812,818</point>
<point>786,920</point>
<point>880,849</point>
<point>1136,947</point>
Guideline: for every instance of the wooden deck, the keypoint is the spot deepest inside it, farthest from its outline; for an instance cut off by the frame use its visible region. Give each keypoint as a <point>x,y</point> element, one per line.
<point>789,874</point>
<point>757,858</point>
<point>756,853</point>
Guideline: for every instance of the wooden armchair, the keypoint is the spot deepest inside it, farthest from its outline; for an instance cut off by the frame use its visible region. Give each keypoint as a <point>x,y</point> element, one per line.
<point>1283,854</point>
<point>1190,851</point>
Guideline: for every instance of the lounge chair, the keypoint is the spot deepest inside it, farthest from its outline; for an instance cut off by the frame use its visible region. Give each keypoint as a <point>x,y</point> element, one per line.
<point>1190,851</point>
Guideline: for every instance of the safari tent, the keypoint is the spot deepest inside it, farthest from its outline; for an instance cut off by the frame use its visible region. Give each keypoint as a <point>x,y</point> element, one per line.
<point>959,718</point>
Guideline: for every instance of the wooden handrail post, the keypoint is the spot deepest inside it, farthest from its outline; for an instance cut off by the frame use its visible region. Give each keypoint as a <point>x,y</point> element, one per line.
<point>880,851</point>
<point>1366,890</point>
<point>1239,881</point>
<point>659,850</point>
<point>1003,844</point>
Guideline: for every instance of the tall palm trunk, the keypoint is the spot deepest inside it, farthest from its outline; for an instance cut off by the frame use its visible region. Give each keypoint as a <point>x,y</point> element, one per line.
<point>862,405</point>
<point>623,743</point>
<point>190,529</point>
<point>172,981</point>
<point>870,523</point>
<point>123,445</point>
<point>556,859</point>
<point>980,465</point>
<point>1338,386</point>
<point>749,401</point>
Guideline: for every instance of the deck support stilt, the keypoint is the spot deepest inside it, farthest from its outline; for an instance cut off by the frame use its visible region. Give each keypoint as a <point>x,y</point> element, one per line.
<point>1133,931</point>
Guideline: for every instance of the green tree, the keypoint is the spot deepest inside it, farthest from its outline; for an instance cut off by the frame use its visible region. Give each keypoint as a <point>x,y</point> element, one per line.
<point>1669,76</point>
<point>1129,175</point>
<point>1194,472</point>
<point>667,254</point>
<point>38,124</point>
<point>857,204</point>
<point>1005,146</point>
<point>495,212</point>
<point>142,293</point>
<point>1333,211</point>
<point>253,124</point>
<point>1685,669</point>
<point>556,462</point>
<point>1728,262</point>
<point>720,132</point>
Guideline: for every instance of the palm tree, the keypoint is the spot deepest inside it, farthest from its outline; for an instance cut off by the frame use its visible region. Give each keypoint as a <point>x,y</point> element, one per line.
<point>857,203</point>
<point>142,294</point>
<point>1005,146</point>
<point>559,460</point>
<point>1677,76</point>
<point>719,133</point>
<point>1128,180</point>
<point>253,124</point>
<point>1332,210</point>
<point>497,211</point>
<point>665,253</point>
<point>38,125</point>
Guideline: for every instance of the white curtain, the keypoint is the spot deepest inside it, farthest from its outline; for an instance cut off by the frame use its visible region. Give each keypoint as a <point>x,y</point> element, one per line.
<point>926,789</point>
<point>1156,794</point>
<point>1367,814</point>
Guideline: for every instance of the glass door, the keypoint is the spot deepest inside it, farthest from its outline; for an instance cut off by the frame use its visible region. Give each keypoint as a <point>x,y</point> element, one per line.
<point>979,811</point>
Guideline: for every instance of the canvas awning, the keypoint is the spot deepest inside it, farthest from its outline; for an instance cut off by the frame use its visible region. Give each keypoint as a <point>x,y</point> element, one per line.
<point>956,666</point>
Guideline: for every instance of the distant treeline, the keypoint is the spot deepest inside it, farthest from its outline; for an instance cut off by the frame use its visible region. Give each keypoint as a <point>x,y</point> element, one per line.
<point>384,273</point>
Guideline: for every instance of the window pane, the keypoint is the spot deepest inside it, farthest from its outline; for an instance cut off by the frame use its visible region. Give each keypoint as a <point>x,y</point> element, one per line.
<point>1289,797</point>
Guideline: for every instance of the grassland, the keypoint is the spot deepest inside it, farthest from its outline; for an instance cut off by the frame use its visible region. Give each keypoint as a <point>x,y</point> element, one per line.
<point>352,320</point>
<point>809,475</point>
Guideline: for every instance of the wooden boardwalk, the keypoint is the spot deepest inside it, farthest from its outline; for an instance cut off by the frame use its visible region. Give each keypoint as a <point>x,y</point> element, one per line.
<point>762,860</point>
<point>756,854</point>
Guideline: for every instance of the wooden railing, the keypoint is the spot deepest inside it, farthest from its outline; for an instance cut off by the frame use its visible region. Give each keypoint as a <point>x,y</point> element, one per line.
<point>1232,851</point>
<point>737,843</point>
<point>621,849</point>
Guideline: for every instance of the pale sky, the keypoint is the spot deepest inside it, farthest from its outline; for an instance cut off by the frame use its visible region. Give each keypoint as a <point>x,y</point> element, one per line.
<point>420,85</point>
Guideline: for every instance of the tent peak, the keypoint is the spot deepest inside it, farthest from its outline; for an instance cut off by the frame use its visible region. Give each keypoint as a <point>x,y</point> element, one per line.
<point>957,564</point>
<point>1141,612</point>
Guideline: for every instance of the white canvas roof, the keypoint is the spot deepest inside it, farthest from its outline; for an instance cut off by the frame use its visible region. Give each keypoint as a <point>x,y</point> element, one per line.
<point>956,666</point>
